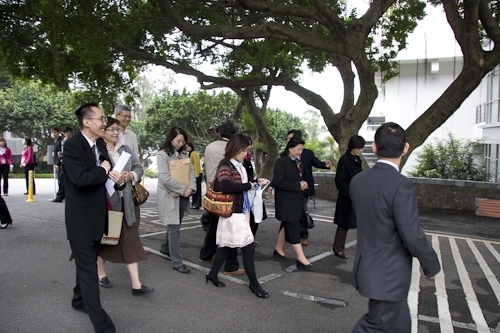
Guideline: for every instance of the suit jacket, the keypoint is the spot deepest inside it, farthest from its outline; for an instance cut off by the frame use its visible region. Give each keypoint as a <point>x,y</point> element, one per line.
<point>308,160</point>
<point>57,148</point>
<point>125,193</point>
<point>347,168</point>
<point>288,198</point>
<point>86,210</point>
<point>389,234</point>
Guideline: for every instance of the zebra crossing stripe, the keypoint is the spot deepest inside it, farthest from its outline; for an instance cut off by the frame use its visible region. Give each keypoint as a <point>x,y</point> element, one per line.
<point>441,295</point>
<point>493,251</point>
<point>470,295</point>
<point>486,269</point>
<point>413,294</point>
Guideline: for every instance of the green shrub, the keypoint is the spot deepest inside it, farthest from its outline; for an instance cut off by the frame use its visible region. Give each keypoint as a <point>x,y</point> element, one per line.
<point>451,159</point>
<point>150,173</point>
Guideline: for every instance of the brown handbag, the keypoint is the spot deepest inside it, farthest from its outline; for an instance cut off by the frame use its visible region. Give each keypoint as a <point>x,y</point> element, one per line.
<point>218,203</point>
<point>139,194</point>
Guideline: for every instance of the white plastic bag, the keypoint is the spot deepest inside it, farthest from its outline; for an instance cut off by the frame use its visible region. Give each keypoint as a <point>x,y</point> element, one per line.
<point>256,202</point>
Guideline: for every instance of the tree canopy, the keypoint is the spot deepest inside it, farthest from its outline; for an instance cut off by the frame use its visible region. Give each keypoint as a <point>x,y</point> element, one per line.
<point>29,110</point>
<point>98,47</point>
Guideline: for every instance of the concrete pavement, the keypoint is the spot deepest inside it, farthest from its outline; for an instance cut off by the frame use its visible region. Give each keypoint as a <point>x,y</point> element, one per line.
<point>37,278</point>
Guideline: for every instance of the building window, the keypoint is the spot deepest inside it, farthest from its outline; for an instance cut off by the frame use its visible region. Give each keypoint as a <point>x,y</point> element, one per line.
<point>374,122</point>
<point>491,161</point>
<point>493,96</point>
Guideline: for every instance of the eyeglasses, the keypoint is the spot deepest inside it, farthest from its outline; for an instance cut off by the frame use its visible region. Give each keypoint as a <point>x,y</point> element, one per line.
<point>126,117</point>
<point>180,143</point>
<point>104,119</point>
<point>117,130</point>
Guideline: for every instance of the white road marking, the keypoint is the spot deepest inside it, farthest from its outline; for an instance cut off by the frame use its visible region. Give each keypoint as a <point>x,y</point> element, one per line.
<point>315,298</point>
<point>441,295</point>
<point>413,294</point>
<point>495,286</point>
<point>470,295</point>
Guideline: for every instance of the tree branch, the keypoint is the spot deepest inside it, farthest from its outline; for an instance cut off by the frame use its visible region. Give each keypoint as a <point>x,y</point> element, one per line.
<point>489,23</point>
<point>373,14</point>
<point>331,44</point>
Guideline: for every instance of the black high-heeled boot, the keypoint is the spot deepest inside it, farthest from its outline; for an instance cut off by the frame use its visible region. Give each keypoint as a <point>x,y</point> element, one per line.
<point>215,281</point>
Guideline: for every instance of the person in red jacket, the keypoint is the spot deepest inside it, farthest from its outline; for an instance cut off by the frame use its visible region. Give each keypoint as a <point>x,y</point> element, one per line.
<point>28,162</point>
<point>6,165</point>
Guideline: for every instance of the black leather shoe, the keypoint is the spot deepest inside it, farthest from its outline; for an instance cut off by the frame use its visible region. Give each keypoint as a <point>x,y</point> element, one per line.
<point>165,253</point>
<point>5,225</point>
<point>57,200</point>
<point>341,255</point>
<point>104,282</point>
<point>283,257</point>
<point>79,308</point>
<point>304,267</point>
<point>144,290</point>
<point>259,292</point>
<point>182,269</point>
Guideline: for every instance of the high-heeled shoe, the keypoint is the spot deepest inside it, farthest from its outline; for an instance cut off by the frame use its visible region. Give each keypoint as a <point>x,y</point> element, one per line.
<point>283,257</point>
<point>260,293</point>
<point>304,267</point>
<point>5,225</point>
<point>215,281</point>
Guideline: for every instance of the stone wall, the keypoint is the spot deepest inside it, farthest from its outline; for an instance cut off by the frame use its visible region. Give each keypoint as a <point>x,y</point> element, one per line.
<point>431,192</point>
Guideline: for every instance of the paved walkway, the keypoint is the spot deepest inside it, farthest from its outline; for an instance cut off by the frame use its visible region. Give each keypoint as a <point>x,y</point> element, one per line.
<point>37,278</point>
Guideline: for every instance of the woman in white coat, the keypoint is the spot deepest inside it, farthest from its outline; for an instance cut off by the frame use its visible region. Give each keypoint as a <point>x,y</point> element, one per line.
<point>172,196</point>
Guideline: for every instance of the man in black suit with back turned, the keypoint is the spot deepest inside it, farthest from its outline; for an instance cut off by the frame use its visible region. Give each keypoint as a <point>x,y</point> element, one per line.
<point>86,169</point>
<point>389,236</point>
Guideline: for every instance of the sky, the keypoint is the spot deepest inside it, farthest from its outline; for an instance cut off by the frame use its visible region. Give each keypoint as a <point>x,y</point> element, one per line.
<point>432,38</point>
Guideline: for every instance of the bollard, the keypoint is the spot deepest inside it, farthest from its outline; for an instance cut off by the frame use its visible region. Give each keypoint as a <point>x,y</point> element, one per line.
<point>143,182</point>
<point>30,186</point>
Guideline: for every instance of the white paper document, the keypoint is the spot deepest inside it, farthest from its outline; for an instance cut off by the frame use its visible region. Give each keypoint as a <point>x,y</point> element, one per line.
<point>124,157</point>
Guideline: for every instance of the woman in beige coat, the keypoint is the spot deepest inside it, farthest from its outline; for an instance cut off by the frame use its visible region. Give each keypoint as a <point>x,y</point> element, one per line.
<point>172,196</point>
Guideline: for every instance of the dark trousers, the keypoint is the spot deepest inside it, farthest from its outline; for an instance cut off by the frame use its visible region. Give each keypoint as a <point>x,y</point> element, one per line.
<point>60,182</point>
<point>27,169</point>
<point>4,173</point>
<point>339,241</point>
<point>248,262</point>
<point>86,292</point>
<point>197,196</point>
<point>4,212</point>
<point>385,316</point>
<point>209,247</point>
<point>304,232</point>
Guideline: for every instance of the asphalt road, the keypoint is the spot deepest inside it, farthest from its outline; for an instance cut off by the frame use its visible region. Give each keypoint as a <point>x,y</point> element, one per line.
<point>37,278</point>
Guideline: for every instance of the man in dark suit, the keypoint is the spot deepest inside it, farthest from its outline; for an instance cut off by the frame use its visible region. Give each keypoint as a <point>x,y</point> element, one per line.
<point>307,161</point>
<point>86,169</point>
<point>389,236</point>
<point>57,161</point>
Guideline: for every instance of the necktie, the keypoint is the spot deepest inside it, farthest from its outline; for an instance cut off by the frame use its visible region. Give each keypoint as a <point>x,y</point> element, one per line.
<point>297,161</point>
<point>95,153</point>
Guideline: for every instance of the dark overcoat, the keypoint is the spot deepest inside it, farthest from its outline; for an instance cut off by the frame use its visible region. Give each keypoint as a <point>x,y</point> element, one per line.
<point>288,198</point>
<point>347,168</point>
<point>309,160</point>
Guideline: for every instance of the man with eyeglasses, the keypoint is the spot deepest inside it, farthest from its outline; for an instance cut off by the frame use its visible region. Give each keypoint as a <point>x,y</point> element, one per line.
<point>123,114</point>
<point>86,169</point>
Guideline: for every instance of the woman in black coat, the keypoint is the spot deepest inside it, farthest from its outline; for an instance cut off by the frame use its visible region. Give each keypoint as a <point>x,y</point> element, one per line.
<point>289,200</point>
<point>349,165</point>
